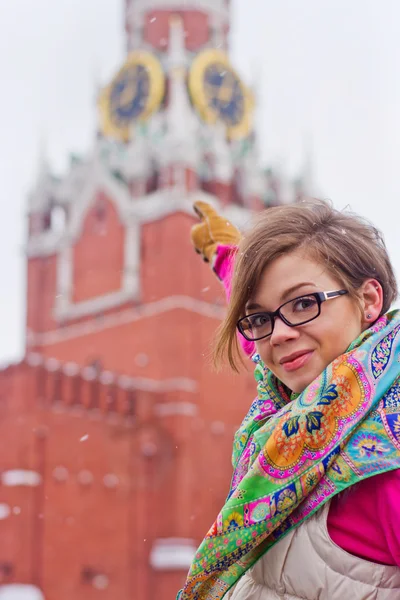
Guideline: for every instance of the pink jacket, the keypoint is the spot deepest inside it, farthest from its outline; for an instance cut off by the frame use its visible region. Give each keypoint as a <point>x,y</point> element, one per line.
<point>362,520</point>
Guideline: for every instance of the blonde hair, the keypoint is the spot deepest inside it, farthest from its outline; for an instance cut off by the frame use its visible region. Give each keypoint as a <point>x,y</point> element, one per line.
<point>351,248</point>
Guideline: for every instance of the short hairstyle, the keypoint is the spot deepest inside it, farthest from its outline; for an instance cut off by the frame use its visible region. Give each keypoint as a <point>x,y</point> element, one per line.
<point>350,247</point>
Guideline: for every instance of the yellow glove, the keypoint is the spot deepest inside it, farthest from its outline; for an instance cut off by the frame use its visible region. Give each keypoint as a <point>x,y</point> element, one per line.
<point>212,230</point>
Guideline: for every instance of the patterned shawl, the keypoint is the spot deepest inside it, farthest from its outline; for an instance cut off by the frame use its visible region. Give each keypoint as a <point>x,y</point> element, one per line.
<point>292,454</point>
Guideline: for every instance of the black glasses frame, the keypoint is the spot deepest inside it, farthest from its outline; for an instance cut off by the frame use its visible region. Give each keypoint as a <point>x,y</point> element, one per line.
<point>320,298</point>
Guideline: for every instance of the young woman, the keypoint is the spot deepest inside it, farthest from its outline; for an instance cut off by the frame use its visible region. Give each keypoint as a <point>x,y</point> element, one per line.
<point>314,505</point>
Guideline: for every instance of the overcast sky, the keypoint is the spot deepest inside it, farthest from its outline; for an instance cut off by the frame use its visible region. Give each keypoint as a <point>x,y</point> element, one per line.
<point>327,74</point>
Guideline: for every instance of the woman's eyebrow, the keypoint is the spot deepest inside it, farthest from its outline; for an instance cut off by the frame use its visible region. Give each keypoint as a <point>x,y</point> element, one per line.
<point>295,288</point>
<point>253,306</point>
<point>286,295</point>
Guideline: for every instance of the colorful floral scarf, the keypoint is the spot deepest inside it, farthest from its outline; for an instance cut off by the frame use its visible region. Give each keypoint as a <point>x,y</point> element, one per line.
<point>292,454</point>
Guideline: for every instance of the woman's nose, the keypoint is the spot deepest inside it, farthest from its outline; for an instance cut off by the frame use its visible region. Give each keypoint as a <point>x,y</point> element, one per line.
<point>282,332</point>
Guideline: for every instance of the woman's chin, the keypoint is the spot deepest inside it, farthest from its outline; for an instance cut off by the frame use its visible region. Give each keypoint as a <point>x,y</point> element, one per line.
<point>297,382</point>
<point>298,387</point>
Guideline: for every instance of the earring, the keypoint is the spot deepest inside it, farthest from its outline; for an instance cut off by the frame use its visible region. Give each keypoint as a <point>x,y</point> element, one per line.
<point>369,316</point>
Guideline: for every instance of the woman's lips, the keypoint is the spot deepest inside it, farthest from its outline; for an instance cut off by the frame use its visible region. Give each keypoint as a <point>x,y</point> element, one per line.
<point>298,362</point>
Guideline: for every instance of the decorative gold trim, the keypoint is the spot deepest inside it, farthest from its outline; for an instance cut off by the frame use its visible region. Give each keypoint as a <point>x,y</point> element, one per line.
<point>201,100</point>
<point>121,130</point>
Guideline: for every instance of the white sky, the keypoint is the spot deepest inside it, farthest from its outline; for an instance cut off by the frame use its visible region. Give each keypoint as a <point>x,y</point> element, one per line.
<point>327,71</point>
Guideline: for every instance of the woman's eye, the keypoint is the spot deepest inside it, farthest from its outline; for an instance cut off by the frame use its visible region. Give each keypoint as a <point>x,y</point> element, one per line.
<point>258,321</point>
<point>304,304</point>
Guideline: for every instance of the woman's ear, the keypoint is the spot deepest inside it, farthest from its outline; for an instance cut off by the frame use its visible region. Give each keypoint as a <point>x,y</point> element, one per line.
<point>371,296</point>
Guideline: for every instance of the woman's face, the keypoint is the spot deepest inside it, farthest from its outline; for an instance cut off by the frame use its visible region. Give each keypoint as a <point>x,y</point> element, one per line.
<point>297,355</point>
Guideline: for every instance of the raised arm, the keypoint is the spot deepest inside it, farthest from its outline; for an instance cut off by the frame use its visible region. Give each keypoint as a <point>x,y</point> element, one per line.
<point>216,240</point>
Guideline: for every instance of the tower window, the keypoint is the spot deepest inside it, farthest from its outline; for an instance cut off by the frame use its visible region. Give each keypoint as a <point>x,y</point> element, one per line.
<point>100,211</point>
<point>100,217</point>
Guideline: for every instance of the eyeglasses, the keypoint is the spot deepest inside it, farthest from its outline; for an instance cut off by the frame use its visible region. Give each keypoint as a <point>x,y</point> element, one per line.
<point>298,311</point>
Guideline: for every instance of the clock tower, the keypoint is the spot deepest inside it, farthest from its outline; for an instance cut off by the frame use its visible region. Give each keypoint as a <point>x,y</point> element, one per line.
<point>116,434</point>
<point>175,125</point>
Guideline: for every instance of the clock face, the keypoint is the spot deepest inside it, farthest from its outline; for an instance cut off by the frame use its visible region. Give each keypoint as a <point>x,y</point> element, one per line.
<point>218,93</point>
<point>134,94</point>
<point>129,95</point>
<point>224,93</point>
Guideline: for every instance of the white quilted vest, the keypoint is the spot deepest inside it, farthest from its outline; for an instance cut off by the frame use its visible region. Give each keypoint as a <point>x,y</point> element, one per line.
<point>308,565</point>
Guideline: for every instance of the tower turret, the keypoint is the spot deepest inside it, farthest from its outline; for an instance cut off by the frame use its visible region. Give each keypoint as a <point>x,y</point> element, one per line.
<point>206,24</point>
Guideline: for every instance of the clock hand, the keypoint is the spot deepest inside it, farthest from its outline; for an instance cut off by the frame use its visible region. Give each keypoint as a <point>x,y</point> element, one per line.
<point>128,94</point>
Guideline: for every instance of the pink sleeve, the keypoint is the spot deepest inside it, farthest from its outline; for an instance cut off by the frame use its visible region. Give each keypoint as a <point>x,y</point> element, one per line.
<point>364,519</point>
<point>389,512</point>
<point>223,267</point>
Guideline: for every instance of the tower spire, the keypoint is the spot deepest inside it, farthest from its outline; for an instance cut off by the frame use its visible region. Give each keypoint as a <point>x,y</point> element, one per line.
<point>180,153</point>
<point>39,197</point>
<point>181,119</point>
<point>308,169</point>
<point>307,173</point>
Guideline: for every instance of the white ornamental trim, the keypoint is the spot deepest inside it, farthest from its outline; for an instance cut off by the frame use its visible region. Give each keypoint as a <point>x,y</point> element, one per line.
<point>20,477</point>
<point>172,554</point>
<point>5,511</point>
<point>169,201</point>
<point>99,179</point>
<point>127,316</point>
<point>149,208</point>
<point>44,244</point>
<point>182,384</point>
<point>20,591</point>
<point>65,308</point>
<point>131,212</point>
<point>172,409</point>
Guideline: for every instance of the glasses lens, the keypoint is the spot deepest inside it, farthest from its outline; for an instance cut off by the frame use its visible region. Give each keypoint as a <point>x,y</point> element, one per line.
<point>256,326</point>
<point>300,310</point>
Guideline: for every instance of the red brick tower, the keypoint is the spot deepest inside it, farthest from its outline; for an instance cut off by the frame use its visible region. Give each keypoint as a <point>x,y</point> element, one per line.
<point>115,435</point>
